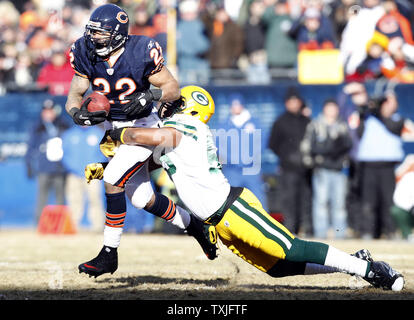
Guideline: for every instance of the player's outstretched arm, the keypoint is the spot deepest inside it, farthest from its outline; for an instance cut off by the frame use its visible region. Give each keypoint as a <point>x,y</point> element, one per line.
<point>166,137</point>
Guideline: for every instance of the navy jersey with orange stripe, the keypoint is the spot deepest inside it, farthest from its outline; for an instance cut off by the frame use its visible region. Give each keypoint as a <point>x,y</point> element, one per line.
<point>122,76</point>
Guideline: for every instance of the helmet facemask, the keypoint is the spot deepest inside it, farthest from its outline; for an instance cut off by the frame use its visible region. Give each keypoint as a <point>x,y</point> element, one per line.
<point>104,41</point>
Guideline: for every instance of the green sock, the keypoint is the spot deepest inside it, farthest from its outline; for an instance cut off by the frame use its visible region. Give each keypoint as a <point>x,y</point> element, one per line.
<point>307,251</point>
<point>323,254</point>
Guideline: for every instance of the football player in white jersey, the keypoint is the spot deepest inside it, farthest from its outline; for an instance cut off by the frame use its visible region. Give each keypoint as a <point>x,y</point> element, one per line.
<point>189,156</point>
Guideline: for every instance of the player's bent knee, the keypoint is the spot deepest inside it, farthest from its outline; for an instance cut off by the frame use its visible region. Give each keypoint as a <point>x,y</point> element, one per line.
<point>138,197</point>
<point>109,188</point>
<point>139,202</point>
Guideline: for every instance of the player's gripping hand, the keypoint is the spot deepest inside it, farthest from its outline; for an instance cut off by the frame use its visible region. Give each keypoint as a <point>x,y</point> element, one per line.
<point>139,101</point>
<point>168,109</point>
<point>94,171</point>
<point>83,117</point>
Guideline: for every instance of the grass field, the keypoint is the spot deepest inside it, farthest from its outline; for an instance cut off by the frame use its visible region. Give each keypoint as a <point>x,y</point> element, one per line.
<point>172,267</point>
<point>163,275</point>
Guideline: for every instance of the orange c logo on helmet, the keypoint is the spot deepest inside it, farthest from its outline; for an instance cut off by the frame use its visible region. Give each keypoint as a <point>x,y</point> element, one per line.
<point>122,17</point>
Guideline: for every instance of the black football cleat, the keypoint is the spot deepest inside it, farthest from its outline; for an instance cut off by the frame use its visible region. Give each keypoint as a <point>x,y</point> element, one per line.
<point>381,275</point>
<point>105,262</point>
<point>205,235</point>
<point>363,254</point>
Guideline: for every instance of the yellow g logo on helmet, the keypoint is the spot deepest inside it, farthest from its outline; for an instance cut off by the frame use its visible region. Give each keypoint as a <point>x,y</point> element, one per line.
<point>198,103</point>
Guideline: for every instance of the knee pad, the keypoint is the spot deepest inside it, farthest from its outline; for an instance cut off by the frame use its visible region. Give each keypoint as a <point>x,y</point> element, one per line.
<point>139,195</point>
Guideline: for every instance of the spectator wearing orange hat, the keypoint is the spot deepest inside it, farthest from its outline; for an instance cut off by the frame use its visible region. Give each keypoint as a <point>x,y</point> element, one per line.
<point>377,57</point>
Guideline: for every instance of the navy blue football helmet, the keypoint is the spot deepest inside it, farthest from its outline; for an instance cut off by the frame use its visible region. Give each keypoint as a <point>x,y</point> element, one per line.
<point>107,29</point>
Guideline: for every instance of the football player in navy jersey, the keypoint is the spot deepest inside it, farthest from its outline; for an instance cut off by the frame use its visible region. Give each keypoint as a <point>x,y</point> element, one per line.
<point>129,70</point>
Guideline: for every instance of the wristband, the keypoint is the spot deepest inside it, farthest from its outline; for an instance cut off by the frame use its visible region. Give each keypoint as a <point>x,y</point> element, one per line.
<point>156,94</point>
<point>121,136</point>
<point>73,111</point>
<point>117,134</point>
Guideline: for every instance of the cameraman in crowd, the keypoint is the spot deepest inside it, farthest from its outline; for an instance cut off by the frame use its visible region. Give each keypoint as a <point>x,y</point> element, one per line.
<point>380,150</point>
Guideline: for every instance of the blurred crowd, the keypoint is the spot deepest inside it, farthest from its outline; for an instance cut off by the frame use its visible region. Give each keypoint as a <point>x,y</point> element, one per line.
<point>330,163</point>
<point>340,171</point>
<point>254,37</point>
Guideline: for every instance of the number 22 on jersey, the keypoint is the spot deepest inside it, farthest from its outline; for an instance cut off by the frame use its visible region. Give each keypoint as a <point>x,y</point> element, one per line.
<point>119,85</point>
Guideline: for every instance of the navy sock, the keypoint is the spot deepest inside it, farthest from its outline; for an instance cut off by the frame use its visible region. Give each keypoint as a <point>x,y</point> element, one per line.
<point>163,207</point>
<point>115,209</point>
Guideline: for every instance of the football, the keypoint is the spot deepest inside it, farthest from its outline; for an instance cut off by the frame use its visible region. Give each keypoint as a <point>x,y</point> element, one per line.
<point>98,102</point>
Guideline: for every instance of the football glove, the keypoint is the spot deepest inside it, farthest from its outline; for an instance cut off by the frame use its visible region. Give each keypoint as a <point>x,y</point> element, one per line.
<point>139,102</point>
<point>117,134</point>
<point>94,171</point>
<point>108,146</point>
<point>168,109</point>
<point>83,117</point>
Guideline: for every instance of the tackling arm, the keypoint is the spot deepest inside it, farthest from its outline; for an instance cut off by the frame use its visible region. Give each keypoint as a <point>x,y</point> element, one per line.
<point>166,137</point>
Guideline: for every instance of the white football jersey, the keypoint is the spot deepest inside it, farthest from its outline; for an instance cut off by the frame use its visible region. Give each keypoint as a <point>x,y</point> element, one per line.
<point>194,167</point>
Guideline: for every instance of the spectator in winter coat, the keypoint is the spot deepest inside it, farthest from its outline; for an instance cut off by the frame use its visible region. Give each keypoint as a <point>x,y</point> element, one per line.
<point>393,24</point>
<point>239,148</point>
<point>192,45</point>
<point>81,147</point>
<point>57,74</point>
<point>254,45</point>
<point>277,21</point>
<point>44,157</point>
<point>226,40</point>
<point>294,188</point>
<point>142,22</point>
<point>311,35</point>
<point>326,148</point>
